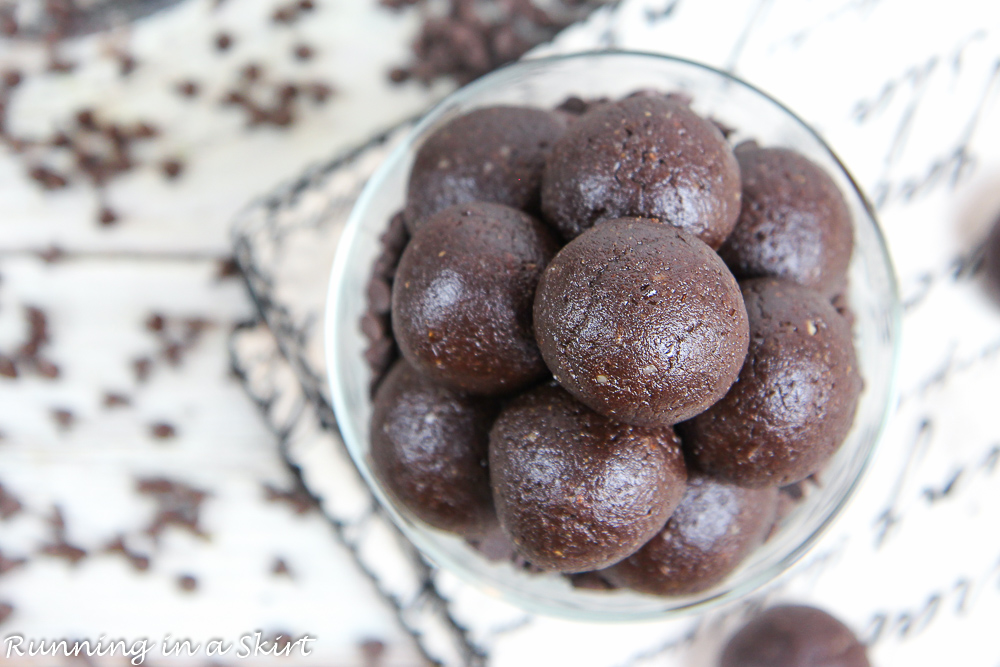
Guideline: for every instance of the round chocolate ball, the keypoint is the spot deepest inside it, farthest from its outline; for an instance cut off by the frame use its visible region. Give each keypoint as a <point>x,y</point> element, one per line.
<point>462,298</point>
<point>641,321</point>
<point>795,398</point>
<point>575,490</point>
<point>794,222</point>
<point>794,636</point>
<point>429,449</point>
<point>493,154</point>
<point>644,156</point>
<point>715,526</point>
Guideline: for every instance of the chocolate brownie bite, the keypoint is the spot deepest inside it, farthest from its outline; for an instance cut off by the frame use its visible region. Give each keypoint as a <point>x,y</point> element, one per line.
<point>462,298</point>
<point>715,526</point>
<point>641,321</point>
<point>795,398</point>
<point>493,154</point>
<point>644,156</point>
<point>429,450</point>
<point>793,224</point>
<point>794,636</point>
<point>577,491</point>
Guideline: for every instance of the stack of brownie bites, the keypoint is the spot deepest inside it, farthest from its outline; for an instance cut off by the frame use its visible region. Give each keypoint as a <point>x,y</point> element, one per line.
<point>618,338</point>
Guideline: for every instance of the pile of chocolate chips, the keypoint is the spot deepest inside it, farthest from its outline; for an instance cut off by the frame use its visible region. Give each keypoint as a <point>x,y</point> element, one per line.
<point>473,37</point>
<point>616,339</point>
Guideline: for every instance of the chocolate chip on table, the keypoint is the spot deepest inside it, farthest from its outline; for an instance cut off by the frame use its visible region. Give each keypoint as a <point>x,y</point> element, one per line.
<point>178,505</point>
<point>188,88</point>
<point>372,651</point>
<point>155,322</point>
<point>172,168</point>
<point>8,564</point>
<point>138,561</point>
<point>227,268</point>
<point>10,505</point>
<point>141,368</point>
<point>64,418</point>
<point>304,52</point>
<point>7,367</point>
<point>115,400</point>
<point>52,254</point>
<point>162,431</point>
<point>126,64</point>
<point>223,41</point>
<point>251,72</point>
<point>107,216</point>
<point>12,78</point>
<point>297,498</point>
<point>187,583</point>
<point>60,547</point>
<point>48,179</point>
<point>279,566</point>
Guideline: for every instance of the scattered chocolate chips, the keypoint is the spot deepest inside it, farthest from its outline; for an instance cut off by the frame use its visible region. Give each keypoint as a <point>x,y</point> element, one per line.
<point>60,547</point>
<point>280,567</point>
<point>10,505</point>
<point>465,43</point>
<point>8,564</point>
<point>172,168</point>
<point>291,12</point>
<point>223,41</point>
<point>187,583</point>
<point>297,498</point>
<point>117,546</point>
<point>178,505</point>
<point>63,418</point>
<point>115,400</point>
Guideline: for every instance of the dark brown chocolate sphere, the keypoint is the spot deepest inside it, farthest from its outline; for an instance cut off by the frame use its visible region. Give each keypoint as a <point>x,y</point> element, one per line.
<point>648,157</point>
<point>641,321</point>
<point>429,449</point>
<point>715,526</point>
<point>493,154</point>
<point>462,298</point>
<point>794,636</point>
<point>794,222</point>
<point>577,491</point>
<point>795,398</point>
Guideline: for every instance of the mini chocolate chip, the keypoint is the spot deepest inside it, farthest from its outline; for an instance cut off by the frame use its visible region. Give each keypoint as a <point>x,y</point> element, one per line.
<point>113,400</point>
<point>172,168</point>
<point>107,216</point>
<point>251,72</point>
<point>63,418</point>
<point>187,583</point>
<point>141,368</point>
<point>280,567</point>
<point>51,254</point>
<point>399,75</point>
<point>126,64</point>
<point>227,268</point>
<point>6,608</point>
<point>297,498</point>
<point>7,367</point>
<point>156,322</point>
<point>304,52</point>
<point>162,431</point>
<point>223,41</point>
<point>86,120</point>
<point>11,78</point>
<point>320,92</point>
<point>48,179</point>
<point>188,88</point>
<point>9,503</point>
<point>47,369</point>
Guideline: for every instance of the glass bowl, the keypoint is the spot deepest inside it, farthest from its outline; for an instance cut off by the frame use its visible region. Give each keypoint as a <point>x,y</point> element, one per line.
<point>545,83</point>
